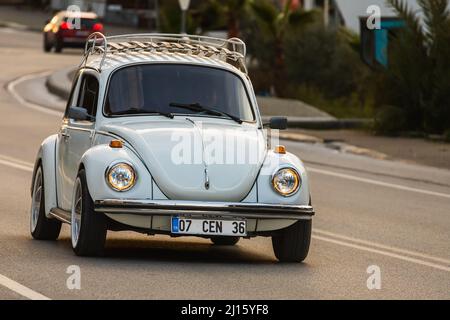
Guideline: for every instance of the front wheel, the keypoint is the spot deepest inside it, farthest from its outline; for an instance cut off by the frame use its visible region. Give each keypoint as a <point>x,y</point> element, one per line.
<point>41,227</point>
<point>292,243</point>
<point>47,45</point>
<point>88,228</point>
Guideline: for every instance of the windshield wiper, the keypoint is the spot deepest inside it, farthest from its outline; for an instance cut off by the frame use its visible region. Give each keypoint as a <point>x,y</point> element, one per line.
<point>199,108</point>
<point>141,111</point>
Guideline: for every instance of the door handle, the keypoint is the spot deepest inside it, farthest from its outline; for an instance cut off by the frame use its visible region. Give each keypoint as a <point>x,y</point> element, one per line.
<point>64,134</point>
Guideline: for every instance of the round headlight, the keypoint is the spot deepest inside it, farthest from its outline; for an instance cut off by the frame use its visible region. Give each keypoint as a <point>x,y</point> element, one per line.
<point>121,176</point>
<point>286,181</point>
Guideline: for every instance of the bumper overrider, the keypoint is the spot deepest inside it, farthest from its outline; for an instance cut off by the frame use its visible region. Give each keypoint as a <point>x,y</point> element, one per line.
<point>201,208</point>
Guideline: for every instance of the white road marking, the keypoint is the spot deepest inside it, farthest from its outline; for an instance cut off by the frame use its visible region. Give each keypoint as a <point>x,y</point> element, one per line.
<point>7,30</point>
<point>384,253</point>
<point>22,162</point>
<point>11,88</point>
<point>16,165</point>
<point>381,246</point>
<point>5,281</point>
<point>21,289</point>
<point>376,182</point>
<point>13,27</point>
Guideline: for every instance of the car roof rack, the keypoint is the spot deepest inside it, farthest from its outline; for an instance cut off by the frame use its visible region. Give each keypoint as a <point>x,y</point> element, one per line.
<point>232,51</point>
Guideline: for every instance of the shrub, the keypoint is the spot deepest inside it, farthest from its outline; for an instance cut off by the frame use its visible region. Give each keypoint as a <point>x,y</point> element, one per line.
<point>325,70</point>
<point>343,107</point>
<point>323,58</point>
<point>417,80</point>
<point>447,135</point>
<point>389,120</point>
<point>265,33</point>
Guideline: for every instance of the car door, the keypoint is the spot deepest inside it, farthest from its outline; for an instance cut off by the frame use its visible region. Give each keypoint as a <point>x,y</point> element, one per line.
<point>76,136</point>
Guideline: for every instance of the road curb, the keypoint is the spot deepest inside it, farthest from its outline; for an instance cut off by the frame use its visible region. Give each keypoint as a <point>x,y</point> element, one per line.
<point>59,83</point>
<point>338,146</point>
<point>18,26</point>
<point>325,123</point>
<point>351,149</point>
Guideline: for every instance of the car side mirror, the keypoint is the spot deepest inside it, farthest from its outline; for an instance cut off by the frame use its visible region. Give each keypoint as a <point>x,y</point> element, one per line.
<point>279,123</point>
<point>79,114</point>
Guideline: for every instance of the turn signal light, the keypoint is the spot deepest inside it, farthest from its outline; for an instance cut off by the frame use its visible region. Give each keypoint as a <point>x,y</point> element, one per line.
<point>280,149</point>
<point>116,144</point>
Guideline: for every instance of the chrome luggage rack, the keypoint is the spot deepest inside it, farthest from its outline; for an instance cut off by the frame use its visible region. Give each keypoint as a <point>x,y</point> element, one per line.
<point>232,51</point>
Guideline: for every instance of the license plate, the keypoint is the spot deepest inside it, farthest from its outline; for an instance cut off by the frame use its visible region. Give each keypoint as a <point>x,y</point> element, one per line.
<point>181,225</point>
<point>82,33</point>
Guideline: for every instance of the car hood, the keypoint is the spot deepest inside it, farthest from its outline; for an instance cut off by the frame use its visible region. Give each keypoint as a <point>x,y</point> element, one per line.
<point>203,159</point>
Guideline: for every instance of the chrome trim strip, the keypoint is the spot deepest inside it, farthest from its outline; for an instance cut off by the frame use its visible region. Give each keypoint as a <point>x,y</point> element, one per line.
<point>80,129</point>
<point>157,212</point>
<point>234,209</point>
<point>299,177</point>
<point>205,165</point>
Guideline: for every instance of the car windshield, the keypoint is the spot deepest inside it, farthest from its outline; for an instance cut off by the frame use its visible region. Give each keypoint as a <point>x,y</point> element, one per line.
<point>170,88</point>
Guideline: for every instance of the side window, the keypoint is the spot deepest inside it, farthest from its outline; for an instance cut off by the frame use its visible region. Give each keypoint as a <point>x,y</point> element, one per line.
<point>88,94</point>
<point>72,101</point>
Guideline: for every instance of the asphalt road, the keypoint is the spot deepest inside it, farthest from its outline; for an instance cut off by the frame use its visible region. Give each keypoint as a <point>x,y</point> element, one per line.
<point>369,213</point>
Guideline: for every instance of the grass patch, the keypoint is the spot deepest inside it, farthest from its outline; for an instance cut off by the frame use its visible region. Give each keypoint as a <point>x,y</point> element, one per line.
<point>342,107</point>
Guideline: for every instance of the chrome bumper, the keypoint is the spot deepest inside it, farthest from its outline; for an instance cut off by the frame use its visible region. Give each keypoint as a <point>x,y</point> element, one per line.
<point>213,209</point>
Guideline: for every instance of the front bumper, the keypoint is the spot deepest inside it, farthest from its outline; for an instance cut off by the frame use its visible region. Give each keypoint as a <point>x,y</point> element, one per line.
<point>201,208</point>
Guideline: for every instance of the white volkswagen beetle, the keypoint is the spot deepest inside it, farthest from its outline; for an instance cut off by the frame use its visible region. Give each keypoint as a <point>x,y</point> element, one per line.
<point>162,135</point>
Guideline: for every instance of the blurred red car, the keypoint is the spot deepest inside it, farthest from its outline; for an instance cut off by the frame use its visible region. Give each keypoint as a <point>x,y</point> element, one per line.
<point>63,30</point>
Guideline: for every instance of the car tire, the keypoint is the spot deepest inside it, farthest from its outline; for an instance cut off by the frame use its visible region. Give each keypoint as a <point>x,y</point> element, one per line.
<point>58,46</point>
<point>88,228</point>
<point>41,227</point>
<point>225,241</point>
<point>47,45</point>
<point>292,243</point>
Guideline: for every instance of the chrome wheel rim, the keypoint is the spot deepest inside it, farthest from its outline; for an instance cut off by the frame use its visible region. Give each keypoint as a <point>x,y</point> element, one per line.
<point>77,206</point>
<point>36,199</point>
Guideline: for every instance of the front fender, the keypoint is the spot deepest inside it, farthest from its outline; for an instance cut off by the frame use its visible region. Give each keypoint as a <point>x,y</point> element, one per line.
<point>272,163</point>
<point>96,161</point>
<point>46,156</point>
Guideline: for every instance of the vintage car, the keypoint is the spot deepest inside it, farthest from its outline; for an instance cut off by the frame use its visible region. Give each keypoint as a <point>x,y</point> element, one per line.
<point>162,135</point>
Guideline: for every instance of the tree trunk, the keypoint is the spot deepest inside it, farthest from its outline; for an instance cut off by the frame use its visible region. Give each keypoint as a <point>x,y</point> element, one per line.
<point>233,26</point>
<point>279,72</point>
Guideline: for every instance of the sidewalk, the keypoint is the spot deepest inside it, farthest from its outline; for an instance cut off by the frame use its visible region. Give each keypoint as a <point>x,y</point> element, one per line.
<point>412,150</point>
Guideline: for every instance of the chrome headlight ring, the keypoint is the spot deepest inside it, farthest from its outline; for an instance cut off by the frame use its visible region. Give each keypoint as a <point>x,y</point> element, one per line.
<point>121,176</point>
<point>286,181</point>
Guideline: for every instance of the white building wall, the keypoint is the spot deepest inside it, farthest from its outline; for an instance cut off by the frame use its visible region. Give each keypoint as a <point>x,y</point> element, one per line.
<point>308,4</point>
